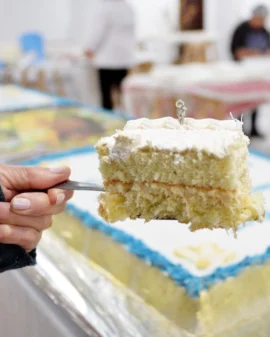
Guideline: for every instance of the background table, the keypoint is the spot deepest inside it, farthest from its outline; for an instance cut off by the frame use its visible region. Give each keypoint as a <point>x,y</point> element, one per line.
<point>210,90</point>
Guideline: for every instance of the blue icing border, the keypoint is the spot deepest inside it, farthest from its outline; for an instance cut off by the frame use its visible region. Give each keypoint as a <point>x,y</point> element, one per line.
<point>262,187</point>
<point>193,285</point>
<point>56,101</point>
<point>260,154</point>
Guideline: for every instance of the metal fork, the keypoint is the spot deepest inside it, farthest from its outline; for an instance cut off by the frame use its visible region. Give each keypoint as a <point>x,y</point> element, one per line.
<point>70,185</point>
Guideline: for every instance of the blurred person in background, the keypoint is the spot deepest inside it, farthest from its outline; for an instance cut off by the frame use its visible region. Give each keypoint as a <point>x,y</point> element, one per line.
<point>250,39</point>
<point>112,45</point>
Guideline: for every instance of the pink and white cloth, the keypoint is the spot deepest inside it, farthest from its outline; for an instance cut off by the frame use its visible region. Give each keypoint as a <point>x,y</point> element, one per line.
<point>238,88</point>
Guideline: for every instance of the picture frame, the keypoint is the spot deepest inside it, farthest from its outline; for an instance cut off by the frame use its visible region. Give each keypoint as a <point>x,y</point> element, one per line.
<point>191,15</point>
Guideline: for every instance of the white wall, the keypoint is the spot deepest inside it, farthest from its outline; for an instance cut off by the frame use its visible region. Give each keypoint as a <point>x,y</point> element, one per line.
<point>227,17</point>
<point>61,19</point>
<point>79,23</point>
<point>50,17</point>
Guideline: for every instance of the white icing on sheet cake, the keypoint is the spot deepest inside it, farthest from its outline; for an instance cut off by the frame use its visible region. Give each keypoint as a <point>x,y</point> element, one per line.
<point>169,237</point>
<point>13,97</point>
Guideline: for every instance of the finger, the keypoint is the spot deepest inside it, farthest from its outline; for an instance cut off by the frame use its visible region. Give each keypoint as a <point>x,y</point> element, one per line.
<point>40,223</point>
<point>36,204</point>
<point>58,196</point>
<point>27,238</point>
<point>20,178</point>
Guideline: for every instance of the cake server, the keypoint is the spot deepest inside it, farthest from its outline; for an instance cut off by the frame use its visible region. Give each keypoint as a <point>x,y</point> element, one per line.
<point>70,185</point>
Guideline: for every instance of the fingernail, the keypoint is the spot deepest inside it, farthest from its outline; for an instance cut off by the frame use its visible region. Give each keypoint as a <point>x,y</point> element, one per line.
<point>58,169</point>
<point>60,198</point>
<point>21,204</point>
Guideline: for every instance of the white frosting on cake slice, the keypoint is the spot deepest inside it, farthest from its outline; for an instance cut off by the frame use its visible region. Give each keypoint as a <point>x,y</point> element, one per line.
<point>209,135</point>
<point>189,124</point>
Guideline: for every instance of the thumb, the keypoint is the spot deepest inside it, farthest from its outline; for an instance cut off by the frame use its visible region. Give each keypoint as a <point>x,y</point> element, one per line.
<point>20,179</point>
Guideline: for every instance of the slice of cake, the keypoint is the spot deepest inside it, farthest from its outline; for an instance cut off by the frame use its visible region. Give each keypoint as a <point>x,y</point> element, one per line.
<point>199,280</point>
<point>195,172</point>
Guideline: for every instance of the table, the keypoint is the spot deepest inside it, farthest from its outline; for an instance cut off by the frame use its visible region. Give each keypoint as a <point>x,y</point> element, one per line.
<point>65,71</point>
<point>210,90</point>
<point>66,295</point>
<point>72,297</point>
<point>31,123</point>
<point>42,318</point>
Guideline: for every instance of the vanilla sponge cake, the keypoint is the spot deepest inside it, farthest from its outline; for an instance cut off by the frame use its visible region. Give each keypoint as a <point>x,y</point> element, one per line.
<point>198,280</point>
<point>194,172</point>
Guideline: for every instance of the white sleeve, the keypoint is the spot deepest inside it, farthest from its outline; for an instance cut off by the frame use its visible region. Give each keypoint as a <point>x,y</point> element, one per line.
<point>98,26</point>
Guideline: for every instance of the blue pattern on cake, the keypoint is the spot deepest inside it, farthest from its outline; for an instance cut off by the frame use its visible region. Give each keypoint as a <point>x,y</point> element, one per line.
<point>194,285</point>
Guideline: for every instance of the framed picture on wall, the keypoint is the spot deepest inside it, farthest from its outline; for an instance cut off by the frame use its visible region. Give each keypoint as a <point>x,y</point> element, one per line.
<point>191,15</point>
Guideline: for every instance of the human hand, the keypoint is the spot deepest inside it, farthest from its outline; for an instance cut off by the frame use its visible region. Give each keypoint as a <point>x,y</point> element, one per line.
<point>25,215</point>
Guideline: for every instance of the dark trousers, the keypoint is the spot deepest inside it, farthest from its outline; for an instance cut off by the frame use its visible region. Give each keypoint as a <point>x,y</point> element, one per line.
<point>254,118</point>
<point>110,79</point>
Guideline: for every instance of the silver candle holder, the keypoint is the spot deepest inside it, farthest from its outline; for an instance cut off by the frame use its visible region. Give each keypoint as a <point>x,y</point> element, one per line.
<point>181,111</point>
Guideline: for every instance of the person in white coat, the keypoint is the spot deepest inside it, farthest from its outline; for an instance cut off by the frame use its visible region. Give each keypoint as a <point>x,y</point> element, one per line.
<point>112,45</point>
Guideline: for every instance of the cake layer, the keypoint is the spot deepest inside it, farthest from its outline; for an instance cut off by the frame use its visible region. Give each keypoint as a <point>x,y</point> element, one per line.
<point>199,153</point>
<point>190,167</point>
<point>207,207</point>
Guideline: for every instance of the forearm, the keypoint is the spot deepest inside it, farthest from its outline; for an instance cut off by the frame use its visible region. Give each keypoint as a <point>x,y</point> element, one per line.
<point>242,53</point>
<point>99,28</point>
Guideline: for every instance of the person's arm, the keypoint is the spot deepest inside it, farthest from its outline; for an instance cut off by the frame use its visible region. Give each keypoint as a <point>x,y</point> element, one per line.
<point>237,42</point>
<point>268,37</point>
<point>98,28</point>
<point>25,215</point>
<point>242,53</point>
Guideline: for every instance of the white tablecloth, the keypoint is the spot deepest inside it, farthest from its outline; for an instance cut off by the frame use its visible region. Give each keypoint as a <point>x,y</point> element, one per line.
<point>238,86</point>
